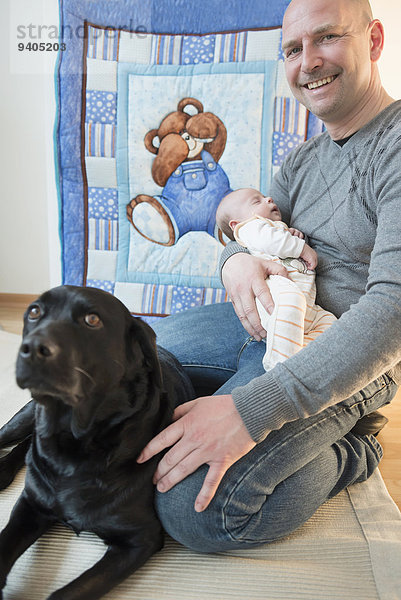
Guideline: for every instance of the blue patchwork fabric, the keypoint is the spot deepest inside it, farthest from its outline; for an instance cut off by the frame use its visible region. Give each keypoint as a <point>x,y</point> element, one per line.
<point>107,286</point>
<point>184,298</point>
<point>132,64</point>
<point>196,49</point>
<point>283,143</point>
<point>101,107</point>
<point>102,203</point>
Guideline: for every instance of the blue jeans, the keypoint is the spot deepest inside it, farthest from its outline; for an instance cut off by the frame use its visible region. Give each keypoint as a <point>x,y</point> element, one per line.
<point>277,486</point>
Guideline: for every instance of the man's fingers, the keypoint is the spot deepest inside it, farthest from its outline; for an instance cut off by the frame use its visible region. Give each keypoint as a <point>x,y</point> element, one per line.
<point>264,296</point>
<point>163,440</point>
<point>175,458</point>
<point>181,466</point>
<point>211,483</point>
<point>243,296</point>
<point>245,308</point>
<point>249,317</point>
<point>183,409</point>
<point>262,292</point>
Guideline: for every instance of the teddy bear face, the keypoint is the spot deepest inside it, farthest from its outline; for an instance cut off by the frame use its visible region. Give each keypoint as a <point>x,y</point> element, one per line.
<point>202,131</point>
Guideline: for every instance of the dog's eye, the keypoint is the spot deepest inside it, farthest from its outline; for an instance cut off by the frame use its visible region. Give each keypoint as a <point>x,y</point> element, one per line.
<point>34,313</point>
<point>93,320</point>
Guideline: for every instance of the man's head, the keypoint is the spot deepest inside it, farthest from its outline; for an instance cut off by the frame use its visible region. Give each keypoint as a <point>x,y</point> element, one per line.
<point>241,205</point>
<point>331,48</point>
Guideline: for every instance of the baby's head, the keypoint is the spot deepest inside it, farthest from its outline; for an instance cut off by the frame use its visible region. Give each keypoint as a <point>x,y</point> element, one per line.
<point>241,205</point>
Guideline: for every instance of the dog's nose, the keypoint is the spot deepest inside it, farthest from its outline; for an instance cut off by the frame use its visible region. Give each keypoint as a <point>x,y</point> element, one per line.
<point>38,349</point>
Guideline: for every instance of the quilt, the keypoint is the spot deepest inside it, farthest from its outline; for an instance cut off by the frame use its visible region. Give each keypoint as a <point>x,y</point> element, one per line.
<point>165,106</point>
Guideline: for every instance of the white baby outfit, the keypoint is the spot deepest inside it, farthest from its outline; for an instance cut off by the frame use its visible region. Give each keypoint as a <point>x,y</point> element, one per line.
<point>296,319</point>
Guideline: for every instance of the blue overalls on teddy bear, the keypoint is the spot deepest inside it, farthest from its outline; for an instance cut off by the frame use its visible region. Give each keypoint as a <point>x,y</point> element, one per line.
<point>192,194</point>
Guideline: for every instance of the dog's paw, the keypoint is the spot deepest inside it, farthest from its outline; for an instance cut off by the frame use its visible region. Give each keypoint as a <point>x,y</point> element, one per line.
<point>62,594</point>
<point>12,462</point>
<point>7,472</point>
<point>5,477</point>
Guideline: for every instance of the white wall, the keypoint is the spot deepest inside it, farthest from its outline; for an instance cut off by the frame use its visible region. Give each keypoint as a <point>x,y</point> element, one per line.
<point>29,245</point>
<point>389,13</point>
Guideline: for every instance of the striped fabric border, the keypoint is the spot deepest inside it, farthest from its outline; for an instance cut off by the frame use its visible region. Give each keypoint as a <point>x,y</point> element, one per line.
<point>159,299</point>
<point>290,116</point>
<point>231,47</point>
<point>156,299</point>
<point>103,234</point>
<point>103,43</point>
<point>100,140</point>
<point>166,49</point>
<point>170,299</point>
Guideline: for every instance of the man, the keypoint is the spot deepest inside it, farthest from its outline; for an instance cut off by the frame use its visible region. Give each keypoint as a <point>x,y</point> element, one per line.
<point>267,450</point>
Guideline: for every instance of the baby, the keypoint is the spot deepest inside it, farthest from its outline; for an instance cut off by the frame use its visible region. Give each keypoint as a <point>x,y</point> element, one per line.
<point>254,221</point>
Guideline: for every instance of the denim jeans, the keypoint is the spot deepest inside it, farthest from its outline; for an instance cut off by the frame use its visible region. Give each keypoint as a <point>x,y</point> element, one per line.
<point>277,486</point>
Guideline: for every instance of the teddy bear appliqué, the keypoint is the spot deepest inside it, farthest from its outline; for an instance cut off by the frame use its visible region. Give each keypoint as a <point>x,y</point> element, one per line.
<point>186,167</point>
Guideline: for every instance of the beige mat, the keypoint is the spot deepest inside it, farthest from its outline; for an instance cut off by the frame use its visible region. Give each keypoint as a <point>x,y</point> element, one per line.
<point>349,550</point>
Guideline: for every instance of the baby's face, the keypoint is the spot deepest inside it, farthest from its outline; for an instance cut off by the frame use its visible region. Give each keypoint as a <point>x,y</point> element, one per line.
<point>251,202</point>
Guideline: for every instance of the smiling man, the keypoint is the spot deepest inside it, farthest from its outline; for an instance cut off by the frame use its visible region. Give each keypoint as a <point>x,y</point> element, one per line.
<point>331,49</point>
<point>258,457</point>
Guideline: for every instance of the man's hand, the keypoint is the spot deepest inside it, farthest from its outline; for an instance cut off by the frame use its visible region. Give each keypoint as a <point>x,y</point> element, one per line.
<point>208,431</point>
<point>244,277</point>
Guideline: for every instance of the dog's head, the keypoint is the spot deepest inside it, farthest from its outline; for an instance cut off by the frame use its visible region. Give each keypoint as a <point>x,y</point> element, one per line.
<point>81,346</point>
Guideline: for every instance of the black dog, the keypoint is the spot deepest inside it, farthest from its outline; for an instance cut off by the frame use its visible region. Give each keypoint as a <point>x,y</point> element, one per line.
<point>100,392</point>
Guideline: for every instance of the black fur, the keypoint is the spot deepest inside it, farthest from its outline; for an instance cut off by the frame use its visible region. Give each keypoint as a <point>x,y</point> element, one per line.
<point>100,392</point>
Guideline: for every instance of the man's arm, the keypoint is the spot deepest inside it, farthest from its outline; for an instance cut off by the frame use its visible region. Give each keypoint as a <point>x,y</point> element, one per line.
<point>365,341</point>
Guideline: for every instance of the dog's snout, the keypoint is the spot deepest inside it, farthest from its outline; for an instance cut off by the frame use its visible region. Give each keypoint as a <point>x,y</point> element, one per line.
<point>38,349</point>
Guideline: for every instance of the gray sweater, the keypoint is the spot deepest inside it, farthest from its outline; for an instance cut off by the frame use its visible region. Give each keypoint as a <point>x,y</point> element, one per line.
<point>347,200</point>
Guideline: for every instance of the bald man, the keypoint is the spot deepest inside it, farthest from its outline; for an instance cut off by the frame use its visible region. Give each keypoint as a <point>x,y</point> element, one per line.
<point>252,462</point>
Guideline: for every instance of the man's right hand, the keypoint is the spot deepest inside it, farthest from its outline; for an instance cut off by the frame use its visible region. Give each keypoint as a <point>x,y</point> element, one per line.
<point>244,277</point>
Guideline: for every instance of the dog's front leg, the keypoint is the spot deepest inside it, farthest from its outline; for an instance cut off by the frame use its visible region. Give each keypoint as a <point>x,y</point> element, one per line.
<point>19,427</point>
<point>12,462</point>
<point>25,526</point>
<point>116,565</point>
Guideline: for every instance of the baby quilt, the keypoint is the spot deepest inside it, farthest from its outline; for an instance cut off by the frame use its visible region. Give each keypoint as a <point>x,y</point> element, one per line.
<point>165,106</point>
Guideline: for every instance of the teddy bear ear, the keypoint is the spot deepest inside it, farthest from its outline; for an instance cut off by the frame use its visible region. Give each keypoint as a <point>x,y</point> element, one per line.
<point>151,137</point>
<point>190,102</point>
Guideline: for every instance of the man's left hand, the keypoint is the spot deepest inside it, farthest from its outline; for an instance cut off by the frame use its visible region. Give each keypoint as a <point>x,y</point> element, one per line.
<point>208,431</point>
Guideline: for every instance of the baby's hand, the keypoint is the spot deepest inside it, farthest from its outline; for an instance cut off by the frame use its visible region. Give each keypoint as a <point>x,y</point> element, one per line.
<point>309,257</point>
<point>296,232</point>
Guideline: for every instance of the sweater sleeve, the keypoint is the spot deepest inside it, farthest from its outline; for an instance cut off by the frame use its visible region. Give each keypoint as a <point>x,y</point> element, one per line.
<point>229,250</point>
<point>364,343</point>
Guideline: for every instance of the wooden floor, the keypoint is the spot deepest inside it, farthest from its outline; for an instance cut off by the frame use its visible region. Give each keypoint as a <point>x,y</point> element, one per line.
<point>12,308</point>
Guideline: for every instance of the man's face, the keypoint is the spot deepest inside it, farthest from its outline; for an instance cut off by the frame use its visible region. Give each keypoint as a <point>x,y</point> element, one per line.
<point>326,45</point>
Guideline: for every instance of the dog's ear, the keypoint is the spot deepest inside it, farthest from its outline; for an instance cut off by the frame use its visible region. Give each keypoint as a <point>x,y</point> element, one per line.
<point>142,334</point>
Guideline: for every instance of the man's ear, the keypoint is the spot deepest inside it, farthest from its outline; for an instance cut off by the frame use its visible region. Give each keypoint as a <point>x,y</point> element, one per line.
<point>376,39</point>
